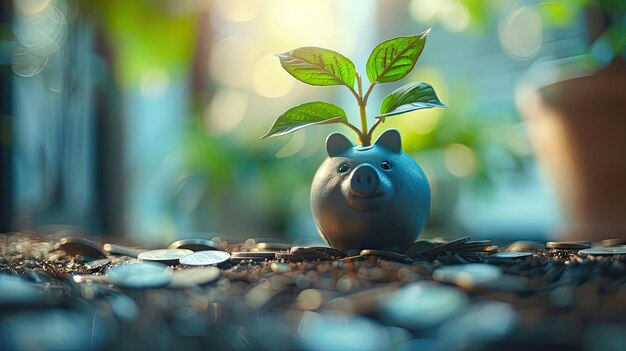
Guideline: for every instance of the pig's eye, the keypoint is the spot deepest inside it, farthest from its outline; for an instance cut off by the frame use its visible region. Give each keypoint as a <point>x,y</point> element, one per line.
<point>344,168</point>
<point>385,165</point>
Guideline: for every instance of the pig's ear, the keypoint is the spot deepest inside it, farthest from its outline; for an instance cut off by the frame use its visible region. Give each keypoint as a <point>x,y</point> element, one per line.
<point>390,140</point>
<point>337,145</point>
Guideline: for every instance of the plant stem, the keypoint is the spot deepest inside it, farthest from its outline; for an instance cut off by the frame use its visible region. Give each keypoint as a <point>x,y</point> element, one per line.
<point>371,131</point>
<point>369,91</point>
<point>358,132</point>
<point>365,140</point>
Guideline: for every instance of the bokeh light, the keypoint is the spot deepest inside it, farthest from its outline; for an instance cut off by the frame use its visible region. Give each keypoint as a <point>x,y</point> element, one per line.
<point>269,79</point>
<point>521,33</point>
<point>460,160</point>
<point>226,111</point>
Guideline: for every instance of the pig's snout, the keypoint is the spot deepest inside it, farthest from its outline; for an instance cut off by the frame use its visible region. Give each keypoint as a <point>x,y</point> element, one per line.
<point>365,181</point>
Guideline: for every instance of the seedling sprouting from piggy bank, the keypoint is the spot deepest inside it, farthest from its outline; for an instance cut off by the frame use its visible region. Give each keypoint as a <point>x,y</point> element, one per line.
<point>372,195</point>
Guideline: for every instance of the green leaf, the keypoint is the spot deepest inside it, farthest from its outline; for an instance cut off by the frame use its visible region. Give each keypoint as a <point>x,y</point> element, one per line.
<point>411,97</point>
<point>393,59</point>
<point>317,66</point>
<point>308,114</point>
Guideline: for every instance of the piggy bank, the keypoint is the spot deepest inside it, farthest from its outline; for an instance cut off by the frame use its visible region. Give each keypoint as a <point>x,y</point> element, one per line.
<point>373,197</point>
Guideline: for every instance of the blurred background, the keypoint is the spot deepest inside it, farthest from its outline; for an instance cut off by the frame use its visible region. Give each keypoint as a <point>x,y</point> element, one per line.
<point>141,119</point>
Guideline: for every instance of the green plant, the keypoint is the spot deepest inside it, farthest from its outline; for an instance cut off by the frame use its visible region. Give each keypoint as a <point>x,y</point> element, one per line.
<point>390,61</point>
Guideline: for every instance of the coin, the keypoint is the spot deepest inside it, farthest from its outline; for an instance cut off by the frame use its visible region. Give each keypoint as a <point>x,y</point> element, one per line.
<point>475,246</point>
<point>467,275</point>
<point>258,256</point>
<point>511,255</point>
<point>605,251</point>
<point>113,249</point>
<point>167,256</point>
<point>97,264</point>
<point>568,245</point>
<point>272,246</point>
<point>194,276</point>
<point>414,250</point>
<point>317,253</point>
<point>286,256</point>
<point>387,255</point>
<point>205,258</point>
<point>445,247</point>
<point>194,245</point>
<point>524,246</point>
<point>139,275</point>
<point>80,246</point>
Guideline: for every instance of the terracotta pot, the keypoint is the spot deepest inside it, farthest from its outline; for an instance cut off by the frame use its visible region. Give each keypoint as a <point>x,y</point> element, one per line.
<point>577,127</point>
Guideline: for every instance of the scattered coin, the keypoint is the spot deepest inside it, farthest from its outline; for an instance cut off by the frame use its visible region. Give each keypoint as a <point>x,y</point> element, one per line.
<point>445,247</point>
<point>414,250</point>
<point>286,256</point>
<point>119,250</point>
<point>139,275</point>
<point>613,242</point>
<point>194,245</point>
<point>272,246</point>
<point>467,275</point>
<point>317,253</point>
<point>511,255</point>
<point>352,258</point>
<point>166,256</point>
<point>605,251</point>
<point>258,256</point>
<point>475,246</point>
<point>568,245</point>
<point>387,255</point>
<point>194,276</point>
<point>97,264</point>
<point>524,246</point>
<point>80,246</point>
<point>205,258</point>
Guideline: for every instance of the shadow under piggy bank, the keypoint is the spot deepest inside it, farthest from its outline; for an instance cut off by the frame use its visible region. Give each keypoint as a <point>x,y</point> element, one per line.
<point>373,197</point>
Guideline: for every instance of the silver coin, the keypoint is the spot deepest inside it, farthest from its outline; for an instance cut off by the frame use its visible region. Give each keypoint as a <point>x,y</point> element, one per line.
<point>167,256</point>
<point>205,258</point>
<point>511,255</point>
<point>194,245</point>
<point>467,275</point>
<point>139,275</point>
<point>568,245</point>
<point>194,276</point>
<point>605,251</point>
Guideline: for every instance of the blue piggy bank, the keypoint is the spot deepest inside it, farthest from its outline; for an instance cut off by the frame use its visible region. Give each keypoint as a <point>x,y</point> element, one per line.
<point>373,197</point>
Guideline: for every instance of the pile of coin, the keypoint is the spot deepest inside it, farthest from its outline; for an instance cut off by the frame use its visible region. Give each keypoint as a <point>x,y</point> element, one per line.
<point>223,293</point>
